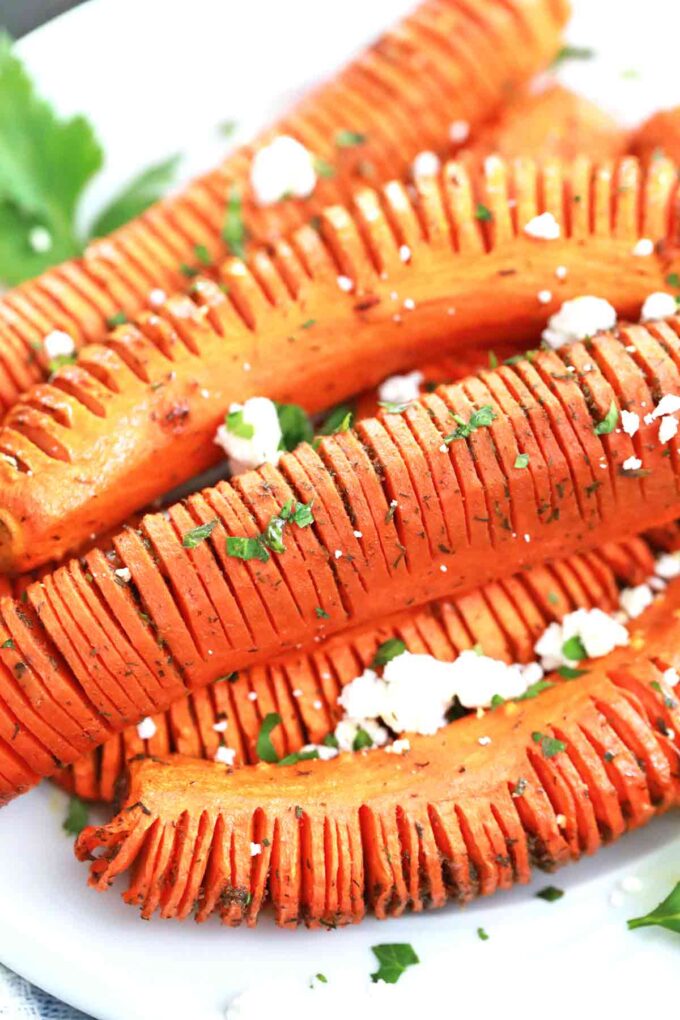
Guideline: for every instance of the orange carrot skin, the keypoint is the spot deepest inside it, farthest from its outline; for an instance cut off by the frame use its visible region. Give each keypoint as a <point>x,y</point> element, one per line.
<point>88,656</point>
<point>658,137</point>
<point>504,619</point>
<point>137,415</point>
<point>465,812</point>
<point>446,61</point>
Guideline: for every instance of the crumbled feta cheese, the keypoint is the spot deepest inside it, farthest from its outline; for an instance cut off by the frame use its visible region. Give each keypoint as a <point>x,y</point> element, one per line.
<point>263,446</point>
<point>255,849</point>
<point>344,283</point>
<point>667,428</point>
<point>338,554</point>
<point>632,464</point>
<point>599,632</point>
<point>544,227</point>
<point>358,534</point>
<point>544,297</point>
<point>225,755</point>
<point>416,693</point>
<point>399,746</point>
<point>426,164</point>
<point>123,573</point>
<point>645,246</point>
<point>59,344</point>
<point>404,252</point>
<point>157,297</point>
<point>658,305</point>
<point>282,168</point>
<point>635,600</point>
<point>668,566</point>
<point>363,698</point>
<point>477,678</point>
<point>630,422</point>
<point>484,741</point>
<point>459,131</point>
<point>252,695</point>
<point>146,729</point>
<point>325,753</point>
<point>577,319</point>
<point>400,389</point>
<point>347,729</point>
<point>561,821</point>
<point>443,568</point>
<point>561,272</point>
<point>39,240</point>
<point>669,404</point>
<point>220,726</point>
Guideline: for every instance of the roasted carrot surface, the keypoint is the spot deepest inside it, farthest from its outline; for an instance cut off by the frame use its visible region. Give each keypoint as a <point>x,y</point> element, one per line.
<point>450,60</point>
<point>552,121</point>
<point>658,137</point>
<point>409,508</point>
<point>503,619</point>
<point>382,286</point>
<point>463,813</point>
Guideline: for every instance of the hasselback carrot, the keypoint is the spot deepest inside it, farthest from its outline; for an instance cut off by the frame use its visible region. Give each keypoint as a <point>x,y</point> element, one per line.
<point>137,415</point>
<point>449,60</point>
<point>409,508</point>
<point>551,122</point>
<point>503,619</point>
<point>658,137</point>
<point>463,813</point>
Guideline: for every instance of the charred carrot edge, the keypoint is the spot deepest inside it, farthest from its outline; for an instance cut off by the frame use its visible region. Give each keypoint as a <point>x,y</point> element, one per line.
<point>658,137</point>
<point>504,619</point>
<point>463,813</point>
<point>165,381</point>
<point>552,122</point>
<point>447,61</point>
<point>401,517</point>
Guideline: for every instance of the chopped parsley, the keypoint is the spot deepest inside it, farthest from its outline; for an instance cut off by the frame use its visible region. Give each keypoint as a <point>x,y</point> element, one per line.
<point>362,740</point>
<point>574,649</point>
<point>323,168</point>
<point>337,420</point>
<point>394,408</point>
<point>330,740</point>
<point>308,323</point>
<point>522,460</point>
<point>321,613</point>
<point>574,53</point>
<point>236,424</point>
<point>298,756</point>
<point>493,359</point>
<point>482,935</point>
<point>481,418</point>
<point>247,548</point>
<point>387,651</point>
<point>483,213</point>
<point>202,254</point>
<point>609,422</point>
<point>550,893</point>
<point>9,643</point>
<point>570,672</point>
<point>666,915</point>
<point>673,280</point>
<point>198,534</point>
<point>257,547</point>
<point>535,689</point>
<point>295,426</point>
<point>119,319</point>
<point>77,816</point>
<point>550,746</point>
<point>234,232</point>
<point>264,748</point>
<point>393,958</point>
<point>348,139</point>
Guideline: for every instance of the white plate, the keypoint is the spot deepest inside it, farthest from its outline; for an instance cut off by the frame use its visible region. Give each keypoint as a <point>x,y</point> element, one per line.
<point>156,77</point>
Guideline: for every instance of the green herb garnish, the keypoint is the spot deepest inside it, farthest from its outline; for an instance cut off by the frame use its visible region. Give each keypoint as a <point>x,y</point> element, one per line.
<point>573,53</point>
<point>550,894</point>
<point>119,319</point>
<point>570,672</point>
<point>238,426</point>
<point>264,748</point>
<point>347,139</point>
<point>387,651</point>
<point>483,213</point>
<point>337,420</point>
<point>609,422</point>
<point>550,746</point>
<point>77,816</point>
<point>481,418</point>
<point>297,756</point>
<point>247,548</point>
<point>573,649</point>
<point>535,689</point>
<point>666,915</point>
<point>295,426</point>
<point>393,958</point>
<point>234,232</point>
<point>522,460</point>
<point>321,613</point>
<point>362,740</point>
<point>198,534</point>
<point>481,934</point>
<point>202,254</point>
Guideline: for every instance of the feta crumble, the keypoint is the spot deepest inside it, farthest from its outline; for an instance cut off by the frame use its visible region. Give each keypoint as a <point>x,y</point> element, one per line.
<point>225,755</point>
<point>658,305</point>
<point>59,344</point>
<point>632,464</point>
<point>400,389</point>
<point>645,246</point>
<point>459,131</point>
<point>544,227</point>
<point>220,726</point>
<point>282,168</point>
<point>146,729</point>
<point>598,632</point>
<point>668,566</point>
<point>668,428</point>
<point>544,297</point>
<point>630,422</point>
<point>255,849</point>
<point>400,746</point>
<point>263,446</point>
<point>635,600</point>
<point>345,284</point>
<point>577,319</point>
<point>426,164</point>
<point>123,573</point>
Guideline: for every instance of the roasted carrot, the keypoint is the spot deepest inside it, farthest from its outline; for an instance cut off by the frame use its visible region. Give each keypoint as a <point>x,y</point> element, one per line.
<point>504,619</point>
<point>448,60</point>
<point>410,508</point>
<point>551,122</point>
<point>137,415</point>
<point>658,137</point>
<point>463,813</point>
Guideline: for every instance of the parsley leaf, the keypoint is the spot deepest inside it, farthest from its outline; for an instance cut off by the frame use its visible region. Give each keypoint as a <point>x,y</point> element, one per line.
<point>522,460</point>
<point>77,816</point>
<point>570,673</point>
<point>321,613</point>
<point>387,651</point>
<point>483,213</point>
<point>481,934</point>
<point>394,408</point>
<point>238,426</point>
<point>550,746</point>
<point>394,958</point>
<point>574,649</point>
<point>137,195</point>
<point>362,740</point>
<point>337,420</point>
<point>296,756</point>
<point>234,232</point>
<point>198,534</point>
<point>330,740</point>
<point>550,893</point>
<point>573,53</point>
<point>347,139</point>
<point>323,168</point>
<point>666,915</point>
<point>295,426</point>
<point>609,422</point>
<point>272,537</point>
<point>247,548</point>
<point>9,643</point>
<point>535,689</point>
<point>481,418</point>
<point>264,748</point>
